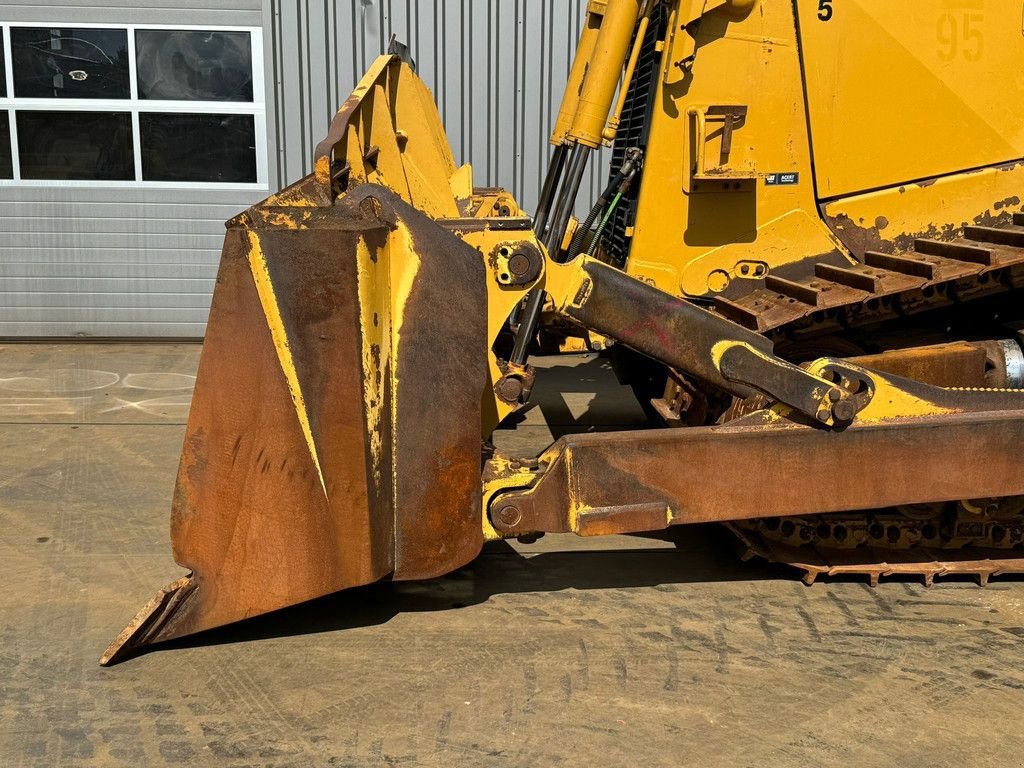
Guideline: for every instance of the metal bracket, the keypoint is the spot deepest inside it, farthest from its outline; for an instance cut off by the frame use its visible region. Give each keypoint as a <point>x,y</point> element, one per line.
<point>731,119</point>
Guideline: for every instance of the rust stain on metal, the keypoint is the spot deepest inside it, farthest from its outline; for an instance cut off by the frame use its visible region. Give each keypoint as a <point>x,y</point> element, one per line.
<point>958,364</point>
<point>860,239</point>
<point>703,474</point>
<point>255,527</point>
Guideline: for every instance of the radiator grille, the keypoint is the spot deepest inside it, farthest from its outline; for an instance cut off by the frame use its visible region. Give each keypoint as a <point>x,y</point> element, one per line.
<point>633,129</point>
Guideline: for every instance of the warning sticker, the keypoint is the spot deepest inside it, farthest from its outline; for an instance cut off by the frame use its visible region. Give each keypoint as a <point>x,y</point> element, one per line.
<point>781,179</point>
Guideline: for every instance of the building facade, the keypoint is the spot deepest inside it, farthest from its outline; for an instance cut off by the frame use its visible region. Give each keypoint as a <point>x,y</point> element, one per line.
<point>129,133</point>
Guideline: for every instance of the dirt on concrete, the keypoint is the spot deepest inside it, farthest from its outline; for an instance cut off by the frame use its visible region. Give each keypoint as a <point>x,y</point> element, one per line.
<point>620,651</point>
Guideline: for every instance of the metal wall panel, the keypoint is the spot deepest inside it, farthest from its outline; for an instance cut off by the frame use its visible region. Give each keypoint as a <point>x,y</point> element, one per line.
<point>141,263</point>
<point>496,67</point>
<point>109,263</point>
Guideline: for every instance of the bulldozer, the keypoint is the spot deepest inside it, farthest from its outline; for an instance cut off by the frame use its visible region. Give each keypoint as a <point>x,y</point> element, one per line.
<point>806,263</point>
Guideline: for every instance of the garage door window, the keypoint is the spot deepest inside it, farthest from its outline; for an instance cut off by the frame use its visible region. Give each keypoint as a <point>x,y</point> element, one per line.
<point>204,66</point>
<point>6,171</point>
<point>70,63</point>
<point>75,145</point>
<point>149,106</point>
<point>185,147</point>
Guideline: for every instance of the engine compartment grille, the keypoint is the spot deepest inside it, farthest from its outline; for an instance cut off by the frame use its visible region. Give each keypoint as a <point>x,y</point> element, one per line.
<point>633,132</point>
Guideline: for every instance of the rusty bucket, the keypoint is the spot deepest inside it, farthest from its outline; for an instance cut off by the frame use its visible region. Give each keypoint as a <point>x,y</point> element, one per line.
<point>330,327</point>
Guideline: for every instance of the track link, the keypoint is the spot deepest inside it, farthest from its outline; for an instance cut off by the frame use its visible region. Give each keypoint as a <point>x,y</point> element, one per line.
<point>983,263</point>
<point>879,563</point>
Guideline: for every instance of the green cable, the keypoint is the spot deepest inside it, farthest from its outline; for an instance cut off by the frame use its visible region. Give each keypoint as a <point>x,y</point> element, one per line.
<point>604,223</point>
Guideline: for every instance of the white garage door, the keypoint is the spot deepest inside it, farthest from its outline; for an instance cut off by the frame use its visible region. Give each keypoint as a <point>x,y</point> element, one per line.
<point>123,148</point>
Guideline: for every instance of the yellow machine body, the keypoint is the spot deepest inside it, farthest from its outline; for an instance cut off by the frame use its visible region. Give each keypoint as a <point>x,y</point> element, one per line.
<point>859,123</point>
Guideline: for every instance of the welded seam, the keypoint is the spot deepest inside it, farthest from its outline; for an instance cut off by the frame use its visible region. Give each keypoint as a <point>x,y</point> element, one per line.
<point>265,290</point>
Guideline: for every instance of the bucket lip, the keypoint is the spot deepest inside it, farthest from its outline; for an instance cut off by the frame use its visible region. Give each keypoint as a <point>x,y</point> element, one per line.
<point>151,622</point>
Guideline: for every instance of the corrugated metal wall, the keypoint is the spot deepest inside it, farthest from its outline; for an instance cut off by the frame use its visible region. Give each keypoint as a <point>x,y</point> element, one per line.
<point>497,69</point>
<point>141,263</point>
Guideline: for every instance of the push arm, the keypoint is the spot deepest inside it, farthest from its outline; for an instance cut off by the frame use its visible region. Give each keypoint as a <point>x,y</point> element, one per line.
<point>698,342</point>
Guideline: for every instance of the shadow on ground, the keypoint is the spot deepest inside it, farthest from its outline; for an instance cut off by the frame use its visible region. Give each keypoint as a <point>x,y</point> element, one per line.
<point>581,397</point>
<point>701,554</point>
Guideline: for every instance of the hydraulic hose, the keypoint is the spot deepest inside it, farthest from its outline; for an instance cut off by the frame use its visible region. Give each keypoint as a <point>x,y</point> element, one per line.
<point>604,223</point>
<point>576,246</point>
<point>616,188</point>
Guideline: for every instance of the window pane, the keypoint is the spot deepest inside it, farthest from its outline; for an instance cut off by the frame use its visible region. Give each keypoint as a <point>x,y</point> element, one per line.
<point>70,63</point>
<point>6,167</point>
<point>76,145</point>
<point>194,66</point>
<point>3,67</point>
<point>181,147</point>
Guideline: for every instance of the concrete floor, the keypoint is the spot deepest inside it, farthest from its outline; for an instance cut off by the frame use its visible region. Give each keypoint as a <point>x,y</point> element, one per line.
<point>620,652</point>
